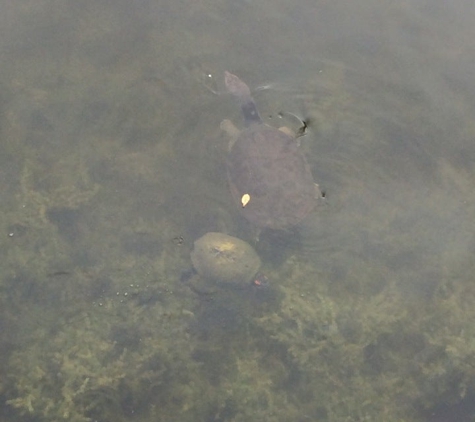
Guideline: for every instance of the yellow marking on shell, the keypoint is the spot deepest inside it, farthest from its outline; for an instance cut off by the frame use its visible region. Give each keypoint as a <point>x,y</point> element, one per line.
<point>226,246</point>
<point>245,199</point>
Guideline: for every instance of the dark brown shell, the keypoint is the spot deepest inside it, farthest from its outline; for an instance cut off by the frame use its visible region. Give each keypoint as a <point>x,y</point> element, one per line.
<point>268,165</point>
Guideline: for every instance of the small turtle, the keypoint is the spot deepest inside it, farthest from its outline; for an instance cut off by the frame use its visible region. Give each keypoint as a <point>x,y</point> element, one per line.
<point>268,174</point>
<point>225,260</point>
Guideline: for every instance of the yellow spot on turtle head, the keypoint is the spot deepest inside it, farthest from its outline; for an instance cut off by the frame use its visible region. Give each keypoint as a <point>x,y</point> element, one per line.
<point>245,199</point>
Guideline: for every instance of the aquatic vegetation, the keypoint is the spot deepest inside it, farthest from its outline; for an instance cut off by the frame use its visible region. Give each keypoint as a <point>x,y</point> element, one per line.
<point>98,365</point>
<point>40,191</point>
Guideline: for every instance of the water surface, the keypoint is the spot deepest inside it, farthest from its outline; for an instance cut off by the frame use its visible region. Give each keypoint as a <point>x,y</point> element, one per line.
<point>113,163</point>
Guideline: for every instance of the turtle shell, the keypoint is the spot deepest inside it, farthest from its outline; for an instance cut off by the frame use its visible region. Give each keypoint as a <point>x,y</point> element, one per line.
<point>225,259</point>
<point>268,165</point>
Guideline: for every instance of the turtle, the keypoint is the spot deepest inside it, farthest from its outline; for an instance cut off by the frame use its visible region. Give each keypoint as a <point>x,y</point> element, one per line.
<point>268,175</point>
<point>225,260</point>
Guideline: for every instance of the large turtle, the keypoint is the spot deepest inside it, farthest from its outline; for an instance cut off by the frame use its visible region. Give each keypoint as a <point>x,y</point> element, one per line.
<point>268,174</point>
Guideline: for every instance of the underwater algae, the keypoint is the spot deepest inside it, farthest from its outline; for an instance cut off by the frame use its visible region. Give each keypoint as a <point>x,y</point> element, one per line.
<point>94,367</point>
<point>312,358</point>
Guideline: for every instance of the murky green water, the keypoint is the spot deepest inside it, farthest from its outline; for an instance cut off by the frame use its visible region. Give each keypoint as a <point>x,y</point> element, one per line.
<point>112,163</point>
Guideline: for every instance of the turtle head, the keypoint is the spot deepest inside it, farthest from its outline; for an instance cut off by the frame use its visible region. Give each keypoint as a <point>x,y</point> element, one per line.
<point>241,91</point>
<point>235,86</point>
